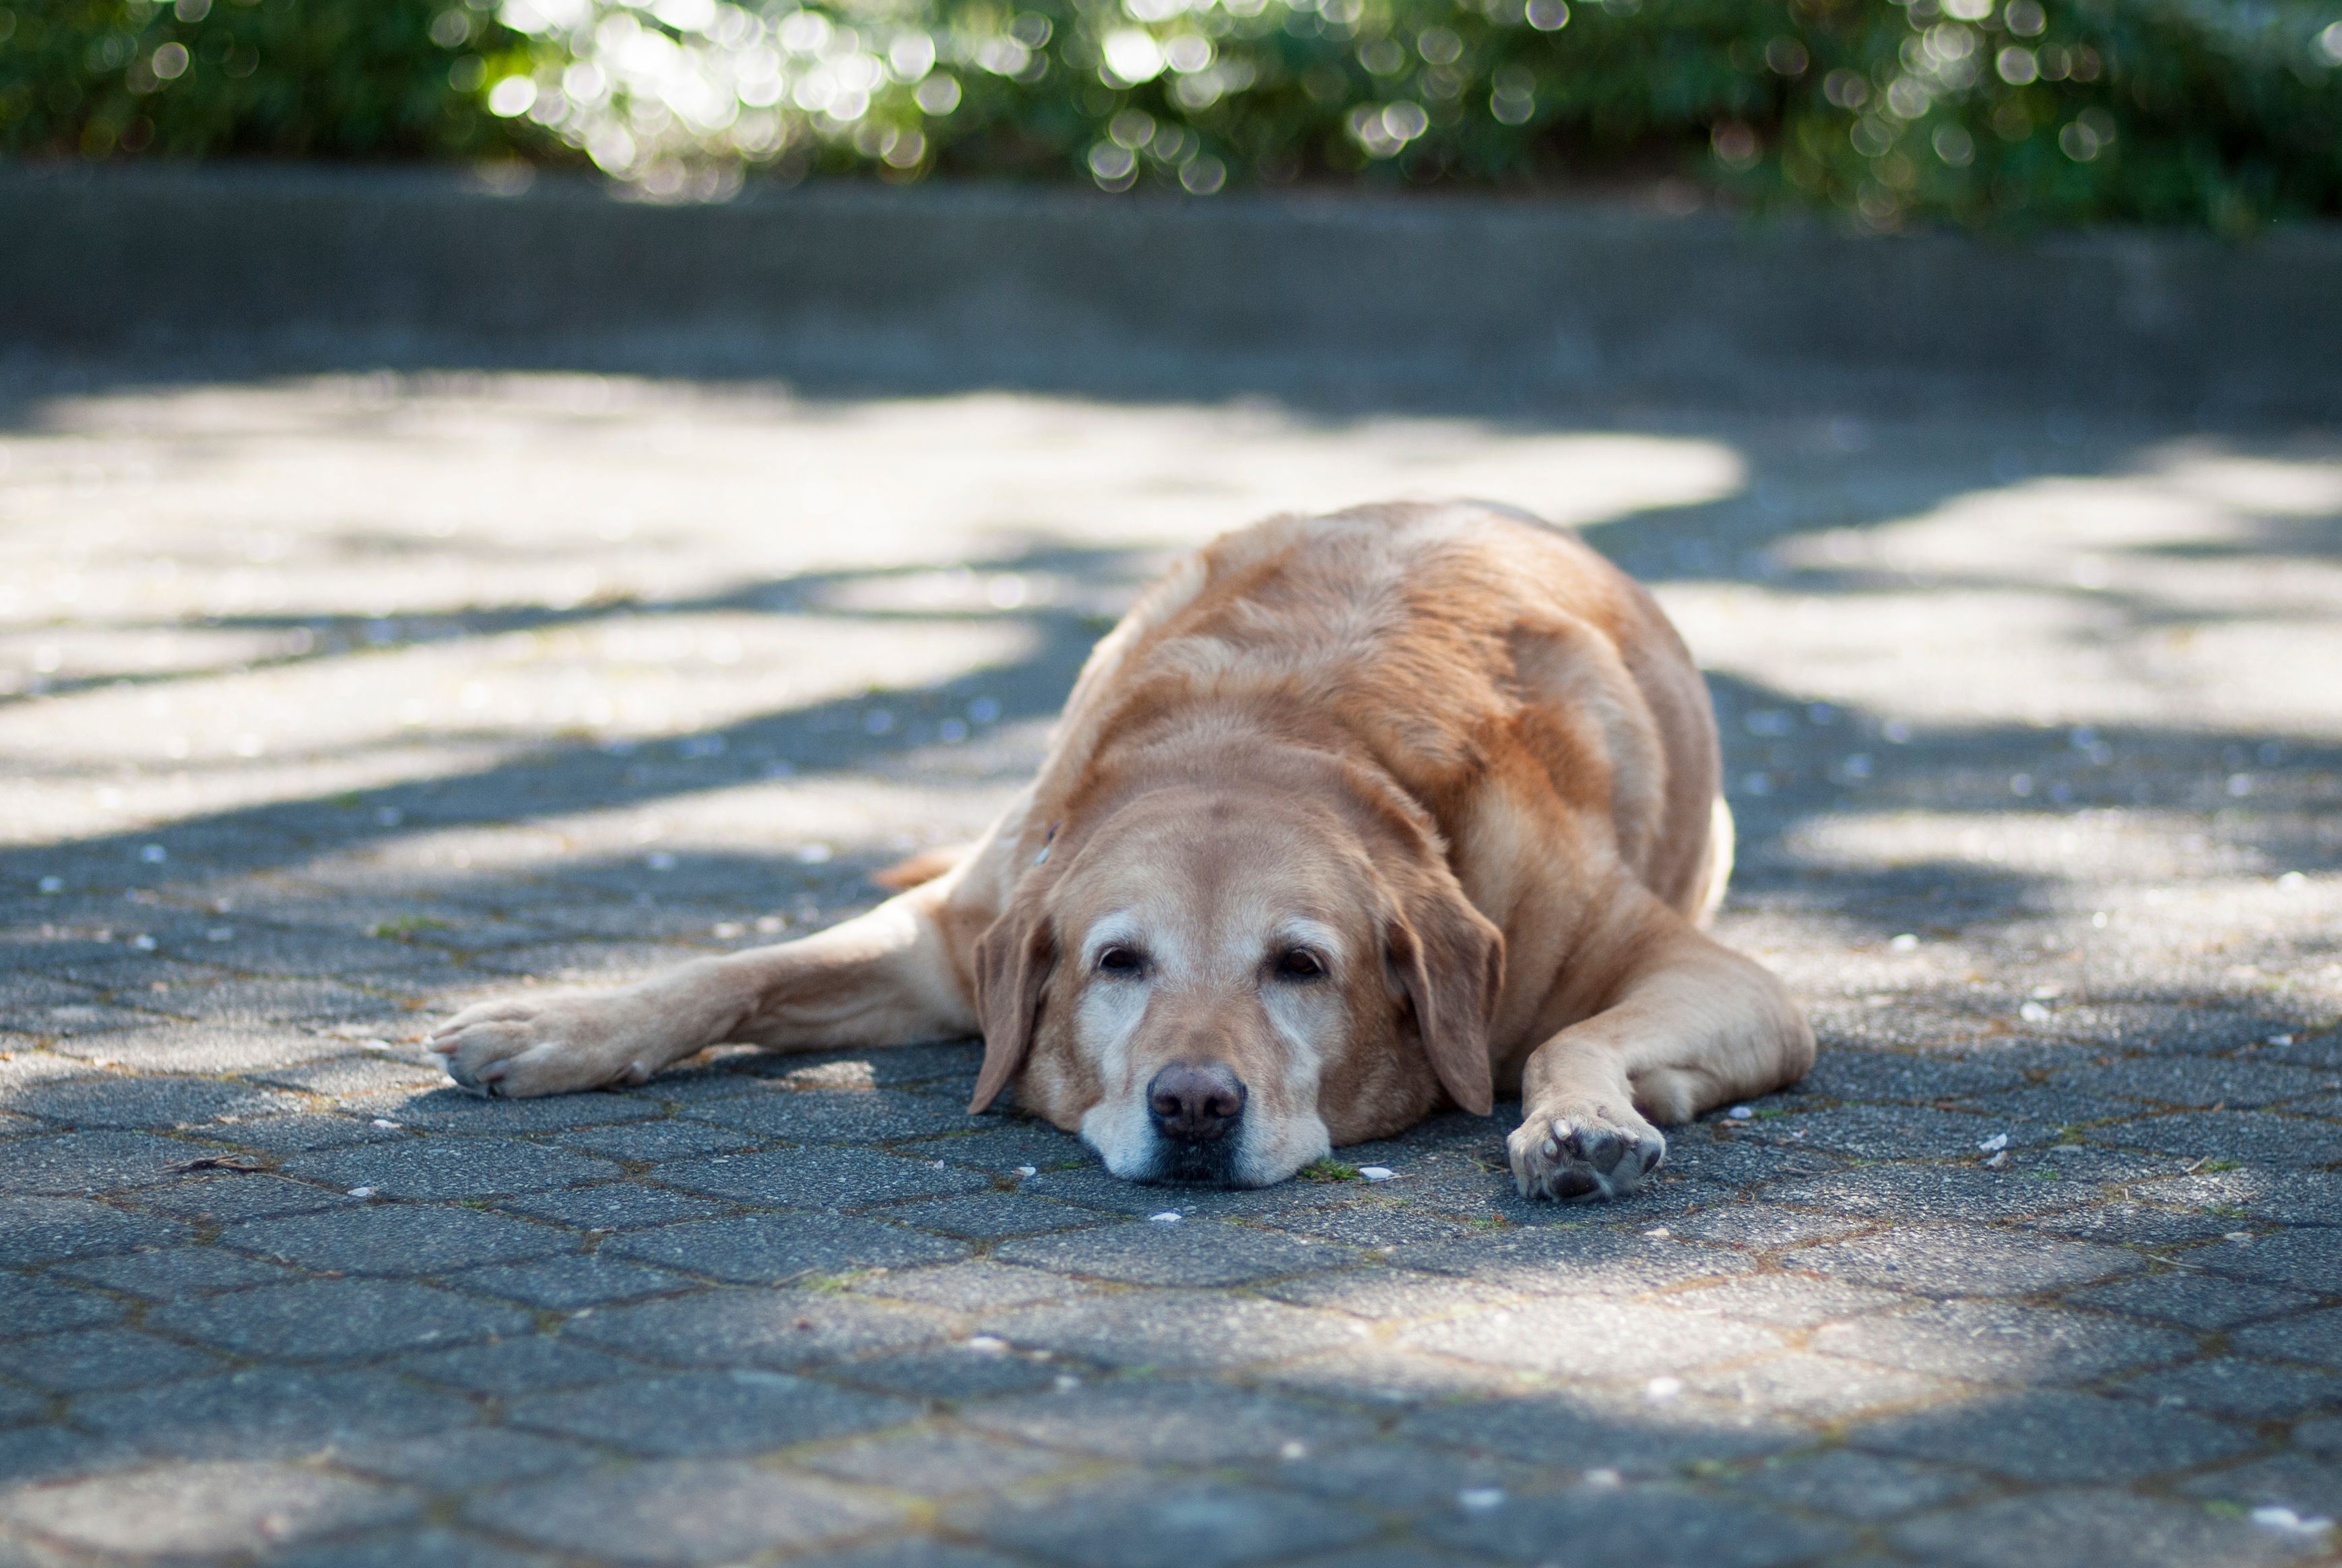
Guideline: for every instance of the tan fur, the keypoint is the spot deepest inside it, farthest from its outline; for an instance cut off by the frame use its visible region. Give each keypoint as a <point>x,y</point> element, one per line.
<point>1458,746</point>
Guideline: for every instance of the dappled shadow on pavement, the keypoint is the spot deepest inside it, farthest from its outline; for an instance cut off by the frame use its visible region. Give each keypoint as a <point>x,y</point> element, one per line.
<point>2046,1249</point>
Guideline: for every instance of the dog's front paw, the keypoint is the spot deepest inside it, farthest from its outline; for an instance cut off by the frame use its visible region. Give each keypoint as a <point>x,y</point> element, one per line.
<point>1574,1154</point>
<point>557,1044</point>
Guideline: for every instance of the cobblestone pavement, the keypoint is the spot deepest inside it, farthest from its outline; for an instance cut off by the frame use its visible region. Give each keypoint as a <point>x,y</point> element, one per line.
<point>328,705</point>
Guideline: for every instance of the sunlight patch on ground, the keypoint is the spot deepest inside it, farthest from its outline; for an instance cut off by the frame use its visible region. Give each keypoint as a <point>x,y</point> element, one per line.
<point>2184,590</point>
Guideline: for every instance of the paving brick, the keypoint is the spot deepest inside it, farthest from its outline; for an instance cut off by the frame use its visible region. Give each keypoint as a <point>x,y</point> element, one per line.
<point>957,1372</point>
<point>748,1328</point>
<point>2055,1436</point>
<point>2243,1389</point>
<point>1369,1225</point>
<point>440,1168</point>
<point>158,1104</point>
<point>332,1320</point>
<point>1385,1293</point>
<point>1844,1073</point>
<point>2200,1082</point>
<point>2136,1224</point>
<point>615,1206</point>
<point>1932,1192</point>
<point>221,1199</point>
<point>1191,1252</point>
<point>87,1359</point>
<point>430,1547</point>
<point>465,1460</point>
<point>1002,1146</point>
<point>2261,1137</point>
<point>206,1507</point>
<point>1963,1261</point>
<point>39,1307</point>
<point>398,1239</point>
<point>1145,1524</point>
<point>1390,1477</point>
<point>50,1451</point>
<point>1588,1337</point>
<point>88,1162</point>
<point>2001,1342</point>
<point>2309,1485</point>
<point>1892,1132</point>
<point>1850,1485</point>
<point>37,1230</point>
<point>2315,1337</point>
<point>2286,1197</point>
<point>1196,1330</point>
<point>1819,1388</point>
<point>2301,1259</point>
<point>172,1272</point>
<point>908,1552</point>
<point>300,1135</point>
<point>934,1463</point>
<point>567,1283</point>
<point>708,1413</point>
<point>1585,1429</point>
<point>2203,1301</point>
<point>974,1286</point>
<point>527,1364</point>
<point>1790,1301</point>
<point>344,1076</point>
<point>19,1405</point>
<point>209,1047</point>
<point>269,1410</point>
<point>815,1178</point>
<point>993,1216</point>
<point>1093,1187</point>
<point>1762,1226</point>
<point>448,1110</point>
<point>1567,1260</point>
<point>2323,1437</point>
<point>1178,1422</point>
<point>685,1512</point>
<point>2103,1527</point>
<point>1615,1525</point>
<point>1380,1375</point>
<point>945,1067</point>
<point>671,1139</point>
<point>1372,1555</point>
<point>1711,1157</point>
<point>777,1249</point>
<point>857,1116</point>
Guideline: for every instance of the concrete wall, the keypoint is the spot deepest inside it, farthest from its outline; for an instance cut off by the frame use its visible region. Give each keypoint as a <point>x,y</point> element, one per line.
<point>1498,302</point>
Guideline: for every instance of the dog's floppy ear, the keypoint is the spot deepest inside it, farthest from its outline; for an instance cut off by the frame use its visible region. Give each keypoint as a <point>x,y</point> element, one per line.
<point>1450,962</point>
<point>1013,961</point>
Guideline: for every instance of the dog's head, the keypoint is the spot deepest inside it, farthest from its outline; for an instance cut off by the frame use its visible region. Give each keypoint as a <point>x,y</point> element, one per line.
<point>1216,987</point>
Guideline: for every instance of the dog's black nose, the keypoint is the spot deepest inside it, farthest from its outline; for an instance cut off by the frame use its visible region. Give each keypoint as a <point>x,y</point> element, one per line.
<point>1195,1103</point>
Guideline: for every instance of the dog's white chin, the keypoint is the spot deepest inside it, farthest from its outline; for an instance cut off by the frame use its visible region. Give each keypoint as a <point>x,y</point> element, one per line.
<point>1265,1152</point>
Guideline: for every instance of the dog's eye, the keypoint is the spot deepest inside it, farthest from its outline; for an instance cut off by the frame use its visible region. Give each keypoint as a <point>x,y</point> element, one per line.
<point>1121,960</point>
<point>1300,964</point>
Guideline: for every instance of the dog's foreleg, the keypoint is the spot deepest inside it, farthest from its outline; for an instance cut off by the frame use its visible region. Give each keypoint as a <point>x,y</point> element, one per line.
<point>884,978</point>
<point>1686,1024</point>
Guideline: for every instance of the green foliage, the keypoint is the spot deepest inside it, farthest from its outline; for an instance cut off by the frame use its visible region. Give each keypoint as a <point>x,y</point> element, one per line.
<point>338,78</point>
<point>2222,113</point>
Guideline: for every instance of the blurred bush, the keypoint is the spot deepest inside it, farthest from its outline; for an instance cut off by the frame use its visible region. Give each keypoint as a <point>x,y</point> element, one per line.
<point>2225,113</point>
<point>339,78</point>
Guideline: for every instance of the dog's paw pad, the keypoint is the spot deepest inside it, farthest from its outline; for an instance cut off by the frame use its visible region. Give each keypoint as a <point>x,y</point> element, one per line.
<point>1567,1159</point>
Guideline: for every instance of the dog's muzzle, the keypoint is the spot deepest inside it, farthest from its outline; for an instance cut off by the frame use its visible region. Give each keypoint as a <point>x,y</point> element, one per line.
<point>1198,1113</point>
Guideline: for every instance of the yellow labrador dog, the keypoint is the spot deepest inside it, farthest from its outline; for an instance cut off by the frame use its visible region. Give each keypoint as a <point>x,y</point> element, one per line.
<point>1352,818</point>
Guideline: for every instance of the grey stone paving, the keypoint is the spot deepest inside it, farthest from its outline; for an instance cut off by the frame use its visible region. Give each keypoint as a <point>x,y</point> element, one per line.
<point>327,704</point>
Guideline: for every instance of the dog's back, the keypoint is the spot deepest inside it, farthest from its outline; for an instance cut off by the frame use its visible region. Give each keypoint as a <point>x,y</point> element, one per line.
<point>1461,643</point>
